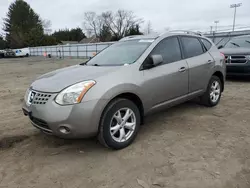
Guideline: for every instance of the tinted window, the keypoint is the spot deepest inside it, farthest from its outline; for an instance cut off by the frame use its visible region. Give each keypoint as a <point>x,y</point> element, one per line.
<point>192,47</point>
<point>169,48</point>
<point>206,43</point>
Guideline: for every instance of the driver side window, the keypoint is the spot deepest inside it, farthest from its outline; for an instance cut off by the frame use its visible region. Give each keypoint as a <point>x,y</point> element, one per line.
<point>170,50</point>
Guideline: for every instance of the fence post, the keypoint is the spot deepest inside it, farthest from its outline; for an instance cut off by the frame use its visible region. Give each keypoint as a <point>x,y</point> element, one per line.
<point>77,51</point>
<point>86,51</point>
<point>70,50</point>
<point>62,52</point>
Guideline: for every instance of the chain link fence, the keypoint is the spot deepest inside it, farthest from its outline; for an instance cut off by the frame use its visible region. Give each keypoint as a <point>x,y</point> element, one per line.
<point>70,50</point>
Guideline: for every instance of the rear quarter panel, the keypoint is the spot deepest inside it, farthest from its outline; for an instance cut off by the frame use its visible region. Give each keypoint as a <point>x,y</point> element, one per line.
<point>219,59</point>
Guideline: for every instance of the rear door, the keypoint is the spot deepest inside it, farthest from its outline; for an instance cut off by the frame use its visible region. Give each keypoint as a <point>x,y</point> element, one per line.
<point>169,80</point>
<point>199,61</point>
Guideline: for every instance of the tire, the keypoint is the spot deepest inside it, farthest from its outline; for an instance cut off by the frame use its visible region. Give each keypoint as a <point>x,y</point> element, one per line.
<point>27,55</point>
<point>108,121</point>
<point>212,101</point>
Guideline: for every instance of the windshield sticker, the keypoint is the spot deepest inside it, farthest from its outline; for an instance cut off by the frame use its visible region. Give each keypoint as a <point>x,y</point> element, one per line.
<point>146,40</point>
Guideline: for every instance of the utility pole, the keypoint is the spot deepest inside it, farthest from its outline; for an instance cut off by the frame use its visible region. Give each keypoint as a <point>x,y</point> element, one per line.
<point>211,29</point>
<point>216,24</point>
<point>235,6</point>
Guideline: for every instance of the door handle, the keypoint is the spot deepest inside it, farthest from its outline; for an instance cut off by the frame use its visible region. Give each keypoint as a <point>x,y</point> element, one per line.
<point>210,61</point>
<point>182,69</point>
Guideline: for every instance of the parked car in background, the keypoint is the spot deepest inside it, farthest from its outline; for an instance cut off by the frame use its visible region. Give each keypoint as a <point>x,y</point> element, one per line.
<point>237,53</point>
<point>9,53</point>
<point>24,52</point>
<point>109,95</point>
<point>2,53</point>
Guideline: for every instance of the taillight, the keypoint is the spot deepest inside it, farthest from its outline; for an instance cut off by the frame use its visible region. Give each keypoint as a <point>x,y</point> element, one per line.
<point>223,55</point>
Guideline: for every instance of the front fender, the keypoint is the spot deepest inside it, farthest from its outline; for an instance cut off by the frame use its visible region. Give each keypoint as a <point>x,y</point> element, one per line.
<point>121,89</point>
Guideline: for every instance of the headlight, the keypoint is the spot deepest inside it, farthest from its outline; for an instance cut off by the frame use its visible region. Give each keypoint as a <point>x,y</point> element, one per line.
<point>74,94</point>
<point>248,57</point>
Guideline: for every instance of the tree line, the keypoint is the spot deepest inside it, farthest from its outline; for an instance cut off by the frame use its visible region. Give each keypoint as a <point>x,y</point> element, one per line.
<point>110,26</point>
<point>23,27</point>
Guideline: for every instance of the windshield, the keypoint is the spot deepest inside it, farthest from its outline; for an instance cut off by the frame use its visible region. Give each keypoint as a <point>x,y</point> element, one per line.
<point>243,42</point>
<point>121,53</point>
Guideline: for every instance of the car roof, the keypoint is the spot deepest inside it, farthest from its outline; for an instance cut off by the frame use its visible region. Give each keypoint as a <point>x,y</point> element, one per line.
<point>135,37</point>
<point>166,34</point>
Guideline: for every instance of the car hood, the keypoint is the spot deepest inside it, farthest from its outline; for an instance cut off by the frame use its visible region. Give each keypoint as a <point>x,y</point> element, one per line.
<point>58,80</point>
<point>235,51</point>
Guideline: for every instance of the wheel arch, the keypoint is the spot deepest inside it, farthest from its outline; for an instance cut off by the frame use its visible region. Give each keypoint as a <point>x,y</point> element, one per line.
<point>221,77</point>
<point>132,97</point>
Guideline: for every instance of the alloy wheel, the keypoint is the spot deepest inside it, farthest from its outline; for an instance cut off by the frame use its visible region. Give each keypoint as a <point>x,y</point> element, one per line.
<point>215,91</point>
<point>123,125</point>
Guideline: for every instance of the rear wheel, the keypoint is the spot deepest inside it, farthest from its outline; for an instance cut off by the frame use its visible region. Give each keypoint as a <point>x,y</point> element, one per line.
<point>119,124</point>
<point>213,94</point>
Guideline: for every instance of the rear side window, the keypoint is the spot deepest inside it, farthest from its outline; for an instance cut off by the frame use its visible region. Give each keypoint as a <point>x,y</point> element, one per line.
<point>169,48</point>
<point>207,44</point>
<point>192,47</point>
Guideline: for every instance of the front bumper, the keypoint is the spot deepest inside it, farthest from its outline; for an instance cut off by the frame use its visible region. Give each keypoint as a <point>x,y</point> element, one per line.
<point>238,70</point>
<point>81,119</point>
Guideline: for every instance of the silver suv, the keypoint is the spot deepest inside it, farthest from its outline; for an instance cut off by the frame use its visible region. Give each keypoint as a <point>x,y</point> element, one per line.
<point>109,95</point>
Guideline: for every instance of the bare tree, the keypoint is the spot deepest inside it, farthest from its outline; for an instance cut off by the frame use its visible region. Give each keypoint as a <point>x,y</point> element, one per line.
<point>120,22</point>
<point>92,23</point>
<point>47,26</point>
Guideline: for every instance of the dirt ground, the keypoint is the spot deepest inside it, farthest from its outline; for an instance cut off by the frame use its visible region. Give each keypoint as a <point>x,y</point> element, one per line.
<point>188,146</point>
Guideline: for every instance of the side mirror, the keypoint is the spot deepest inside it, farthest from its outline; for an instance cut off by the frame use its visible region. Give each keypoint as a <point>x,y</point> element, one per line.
<point>157,59</point>
<point>153,61</point>
<point>221,46</point>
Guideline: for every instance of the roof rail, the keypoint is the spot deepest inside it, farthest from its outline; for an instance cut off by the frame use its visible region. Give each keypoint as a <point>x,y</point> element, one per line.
<point>186,31</point>
<point>130,37</point>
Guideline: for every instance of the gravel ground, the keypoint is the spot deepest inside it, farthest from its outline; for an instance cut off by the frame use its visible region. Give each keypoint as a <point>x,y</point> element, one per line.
<point>188,146</point>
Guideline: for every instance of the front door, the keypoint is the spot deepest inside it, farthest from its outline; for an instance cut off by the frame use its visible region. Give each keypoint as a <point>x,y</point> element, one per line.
<point>168,81</point>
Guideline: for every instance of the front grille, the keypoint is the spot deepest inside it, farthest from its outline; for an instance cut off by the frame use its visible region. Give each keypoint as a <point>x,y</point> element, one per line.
<point>227,59</point>
<point>42,124</point>
<point>41,98</point>
<point>236,59</point>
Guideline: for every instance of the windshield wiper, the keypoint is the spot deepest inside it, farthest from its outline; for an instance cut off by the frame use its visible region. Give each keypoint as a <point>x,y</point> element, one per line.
<point>235,44</point>
<point>247,41</point>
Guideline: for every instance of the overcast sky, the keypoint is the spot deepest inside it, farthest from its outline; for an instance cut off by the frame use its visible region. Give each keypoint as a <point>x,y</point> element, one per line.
<point>174,14</point>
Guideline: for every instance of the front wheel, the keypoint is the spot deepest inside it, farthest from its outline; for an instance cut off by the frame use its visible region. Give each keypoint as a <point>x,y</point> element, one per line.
<point>213,94</point>
<point>119,124</point>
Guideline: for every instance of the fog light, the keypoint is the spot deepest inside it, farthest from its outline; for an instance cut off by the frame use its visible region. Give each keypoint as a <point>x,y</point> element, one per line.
<point>64,130</point>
